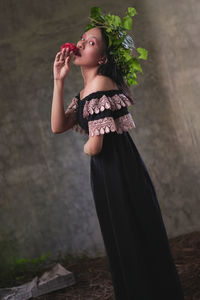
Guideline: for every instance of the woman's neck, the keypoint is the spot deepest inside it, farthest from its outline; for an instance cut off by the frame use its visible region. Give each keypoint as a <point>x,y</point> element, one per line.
<point>89,74</point>
<point>92,80</point>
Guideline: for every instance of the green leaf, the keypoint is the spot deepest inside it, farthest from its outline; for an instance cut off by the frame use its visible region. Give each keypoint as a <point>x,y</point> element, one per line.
<point>88,27</point>
<point>116,20</point>
<point>108,20</point>
<point>127,23</point>
<point>136,65</point>
<point>131,81</point>
<point>35,260</point>
<point>108,29</point>
<point>42,257</point>
<point>143,53</point>
<point>95,12</point>
<point>110,42</point>
<point>112,21</point>
<point>118,41</point>
<point>21,261</point>
<point>134,75</point>
<point>131,11</point>
<point>127,56</point>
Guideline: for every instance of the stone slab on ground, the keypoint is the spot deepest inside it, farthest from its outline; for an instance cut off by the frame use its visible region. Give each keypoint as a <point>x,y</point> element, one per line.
<point>54,279</point>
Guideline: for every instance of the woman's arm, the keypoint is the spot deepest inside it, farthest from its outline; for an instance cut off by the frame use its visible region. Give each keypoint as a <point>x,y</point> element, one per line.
<point>60,120</point>
<point>94,145</point>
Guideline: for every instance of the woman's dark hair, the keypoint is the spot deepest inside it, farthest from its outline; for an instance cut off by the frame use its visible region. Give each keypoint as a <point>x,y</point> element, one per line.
<point>111,70</point>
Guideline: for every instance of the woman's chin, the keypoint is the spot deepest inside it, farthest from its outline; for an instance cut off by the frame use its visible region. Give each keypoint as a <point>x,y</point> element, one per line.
<point>76,60</point>
<point>76,63</point>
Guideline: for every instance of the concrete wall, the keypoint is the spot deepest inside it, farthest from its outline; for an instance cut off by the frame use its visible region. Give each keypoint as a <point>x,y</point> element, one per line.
<point>46,202</point>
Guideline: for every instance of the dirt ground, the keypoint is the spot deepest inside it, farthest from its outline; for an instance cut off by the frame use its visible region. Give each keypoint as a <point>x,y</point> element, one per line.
<point>93,280</point>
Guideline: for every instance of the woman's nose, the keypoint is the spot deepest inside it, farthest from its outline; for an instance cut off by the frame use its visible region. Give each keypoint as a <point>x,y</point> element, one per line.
<point>80,44</point>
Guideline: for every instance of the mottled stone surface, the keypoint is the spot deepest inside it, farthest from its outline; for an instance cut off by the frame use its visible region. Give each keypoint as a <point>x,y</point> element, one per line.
<point>46,202</point>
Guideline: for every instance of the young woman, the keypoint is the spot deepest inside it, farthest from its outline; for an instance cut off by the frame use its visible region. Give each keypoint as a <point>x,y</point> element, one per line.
<point>136,242</point>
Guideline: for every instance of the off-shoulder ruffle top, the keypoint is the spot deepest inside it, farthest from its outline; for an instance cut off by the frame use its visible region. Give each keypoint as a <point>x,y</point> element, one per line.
<point>101,112</point>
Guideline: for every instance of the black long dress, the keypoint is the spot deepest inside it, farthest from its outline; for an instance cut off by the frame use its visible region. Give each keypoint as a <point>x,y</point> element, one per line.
<point>134,234</point>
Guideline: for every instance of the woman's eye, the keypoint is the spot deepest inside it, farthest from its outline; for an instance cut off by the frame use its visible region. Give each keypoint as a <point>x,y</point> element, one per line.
<point>91,42</point>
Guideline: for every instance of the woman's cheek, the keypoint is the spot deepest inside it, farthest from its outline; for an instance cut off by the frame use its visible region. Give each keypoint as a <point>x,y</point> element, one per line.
<point>93,55</point>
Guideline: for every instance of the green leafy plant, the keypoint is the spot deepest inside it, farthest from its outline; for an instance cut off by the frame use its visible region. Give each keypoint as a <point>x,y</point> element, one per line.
<point>120,43</point>
<point>24,269</point>
<point>21,269</point>
<point>26,265</point>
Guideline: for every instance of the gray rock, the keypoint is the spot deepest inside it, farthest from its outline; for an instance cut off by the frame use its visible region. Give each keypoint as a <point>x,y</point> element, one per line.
<point>54,279</point>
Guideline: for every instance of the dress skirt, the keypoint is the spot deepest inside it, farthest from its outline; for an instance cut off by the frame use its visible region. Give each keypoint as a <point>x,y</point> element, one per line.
<point>130,219</point>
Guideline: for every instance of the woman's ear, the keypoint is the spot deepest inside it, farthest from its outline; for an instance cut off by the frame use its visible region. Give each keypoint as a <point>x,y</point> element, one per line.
<point>104,60</point>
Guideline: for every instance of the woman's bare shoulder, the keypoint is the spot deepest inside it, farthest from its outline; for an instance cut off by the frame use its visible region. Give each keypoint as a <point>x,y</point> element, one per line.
<point>102,82</point>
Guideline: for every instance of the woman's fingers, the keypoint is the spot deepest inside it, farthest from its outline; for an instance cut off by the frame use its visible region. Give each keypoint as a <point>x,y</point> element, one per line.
<point>67,55</point>
<point>64,52</point>
<point>64,55</point>
<point>58,56</point>
<point>67,52</point>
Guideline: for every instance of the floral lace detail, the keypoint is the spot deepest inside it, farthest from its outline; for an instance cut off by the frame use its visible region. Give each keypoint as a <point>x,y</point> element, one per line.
<point>72,110</point>
<point>73,105</point>
<point>108,124</point>
<point>79,129</point>
<point>97,105</point>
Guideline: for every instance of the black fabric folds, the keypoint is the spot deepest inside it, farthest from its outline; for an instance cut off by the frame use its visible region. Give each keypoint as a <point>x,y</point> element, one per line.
<point>130,218</point>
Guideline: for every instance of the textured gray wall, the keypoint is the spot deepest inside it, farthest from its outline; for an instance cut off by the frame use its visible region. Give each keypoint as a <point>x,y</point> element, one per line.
<point>46,202</point>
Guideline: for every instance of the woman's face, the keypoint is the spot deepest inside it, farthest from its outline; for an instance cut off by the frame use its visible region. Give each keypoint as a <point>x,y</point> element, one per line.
<point>91,48</point>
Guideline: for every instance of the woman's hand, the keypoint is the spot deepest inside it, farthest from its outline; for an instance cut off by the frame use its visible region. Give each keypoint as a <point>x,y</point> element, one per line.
<point>61,65</point>
<point>94,145</point>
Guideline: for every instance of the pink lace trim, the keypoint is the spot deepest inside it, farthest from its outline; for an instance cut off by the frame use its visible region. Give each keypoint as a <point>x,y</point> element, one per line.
<point>79,129</point>
<point>108,124</point>
<point>72,109</point>
<point>73,105</point>
<point>100,104</point>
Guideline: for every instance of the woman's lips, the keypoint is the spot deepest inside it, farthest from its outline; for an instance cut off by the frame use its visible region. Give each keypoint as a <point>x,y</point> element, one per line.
<point>77,53</point>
